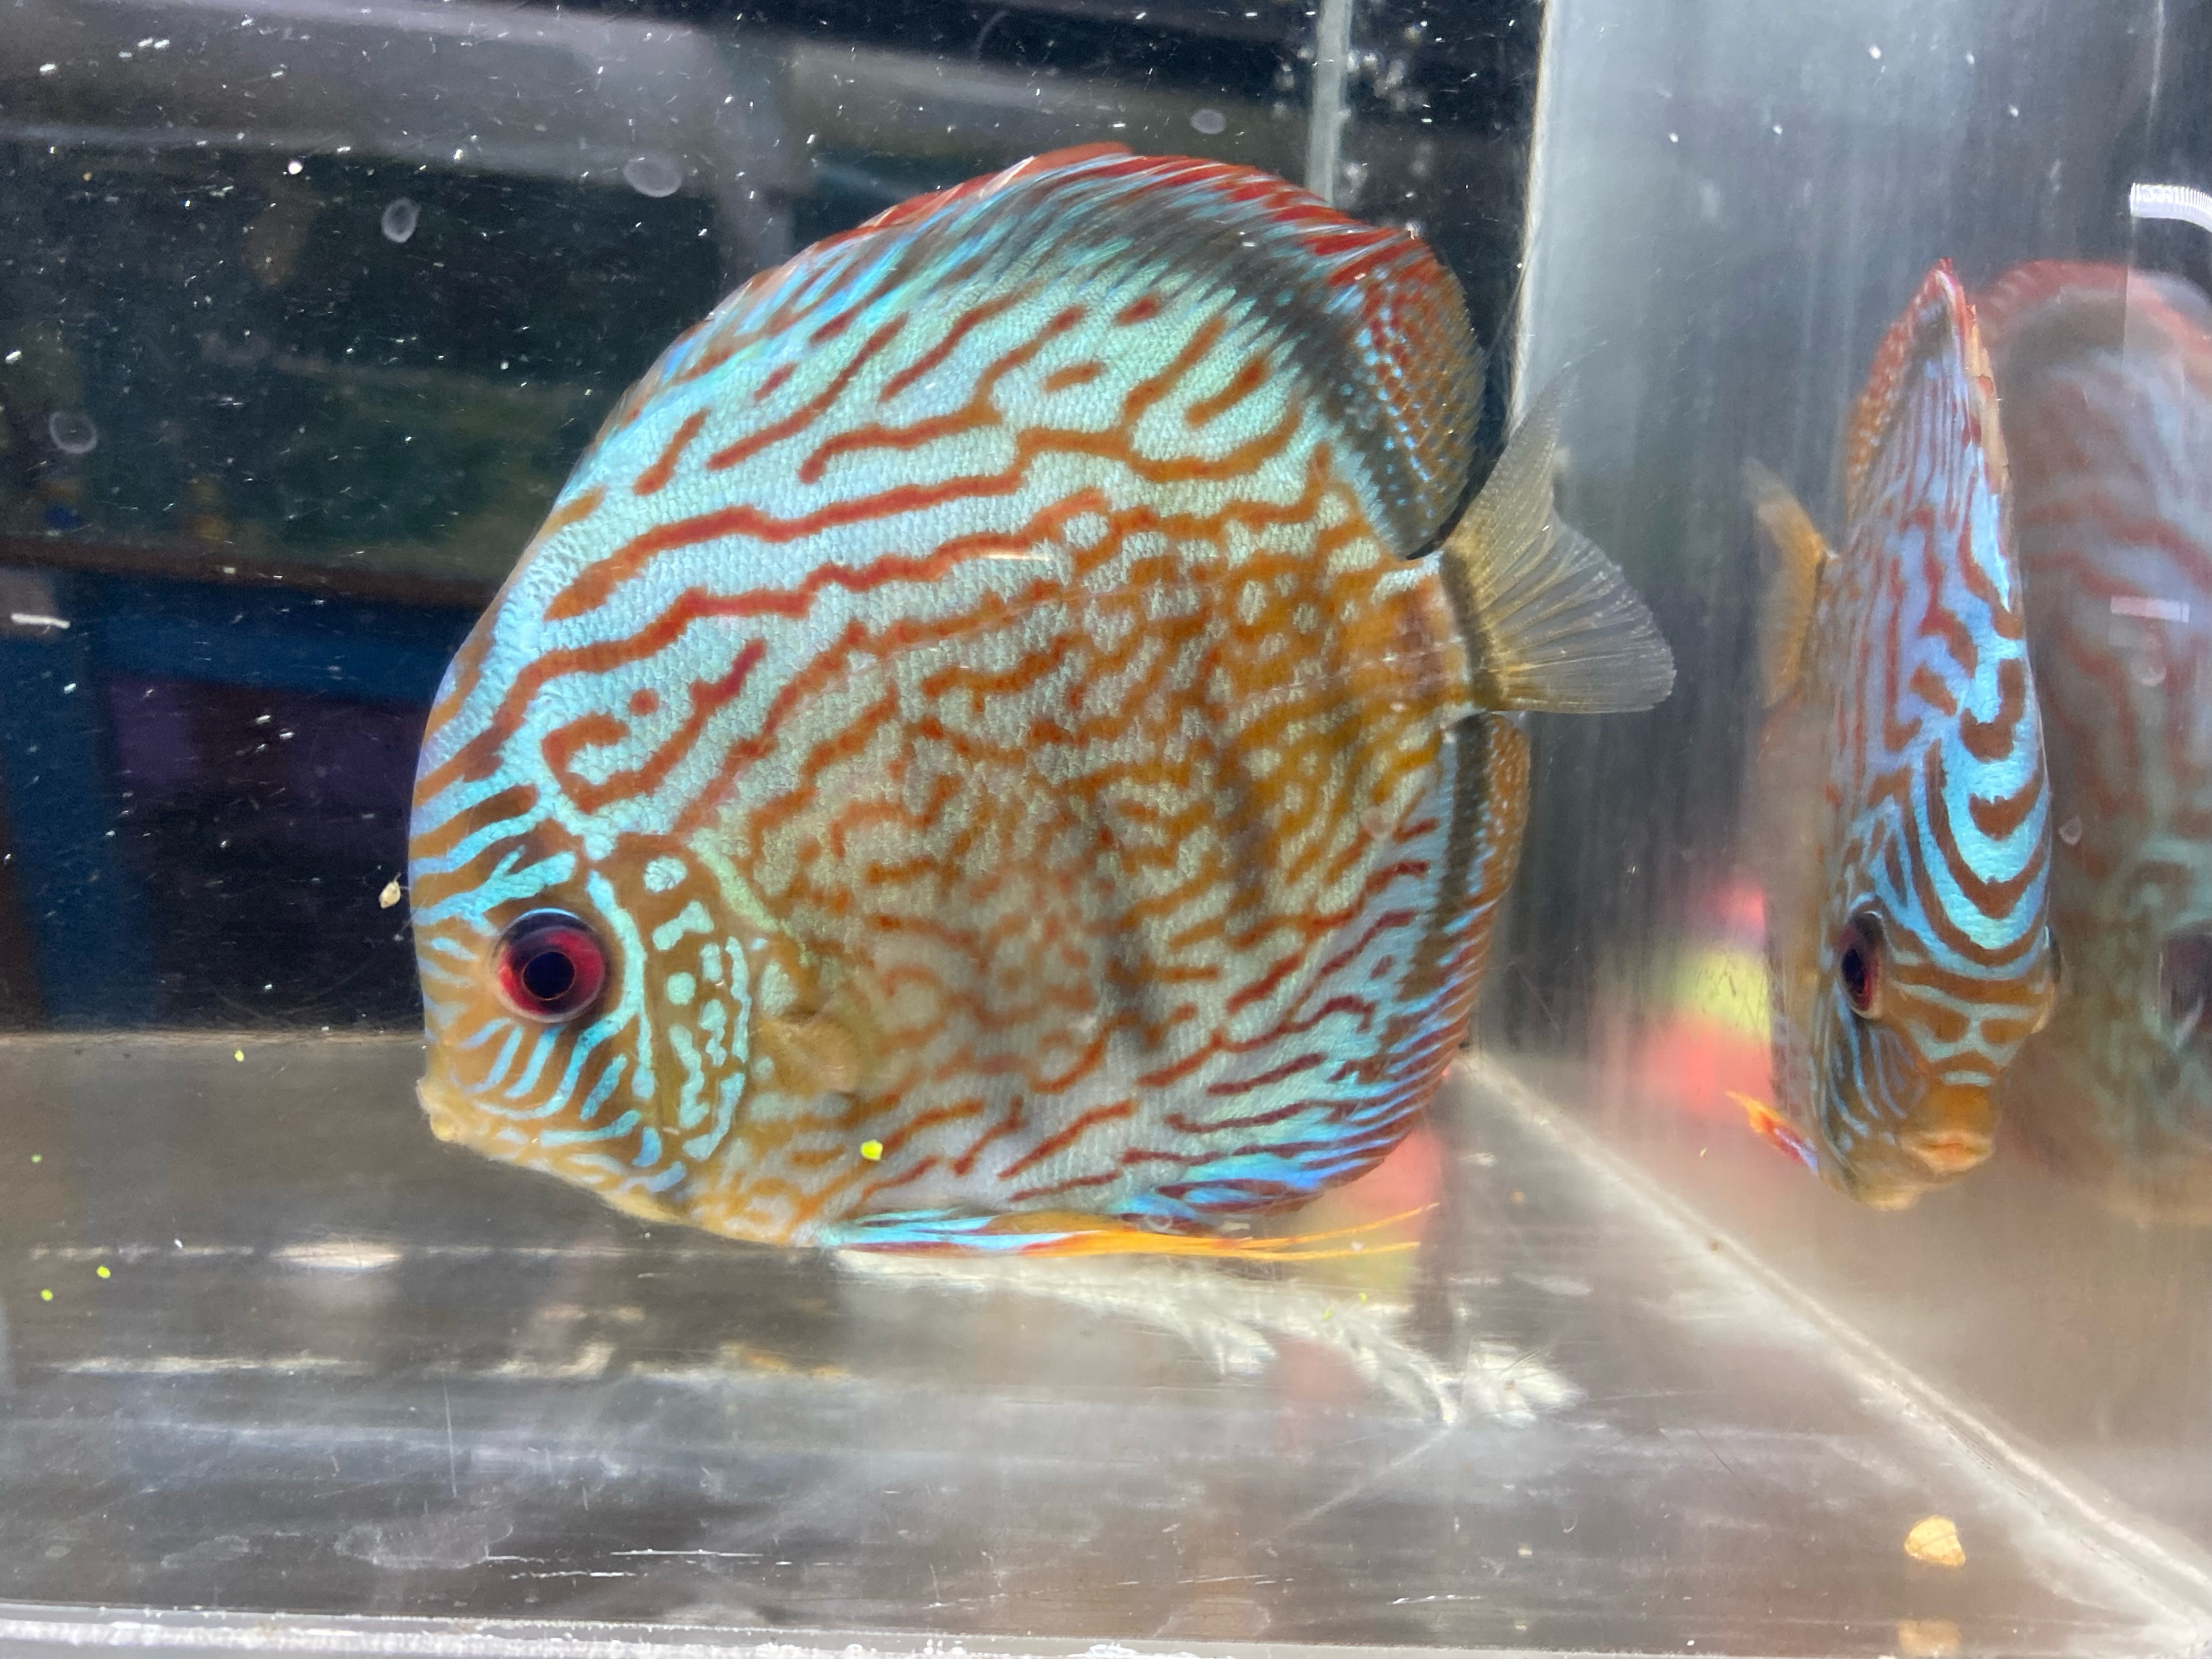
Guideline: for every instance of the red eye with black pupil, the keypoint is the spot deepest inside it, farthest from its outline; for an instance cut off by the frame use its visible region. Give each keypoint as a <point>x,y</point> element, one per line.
<point>1858,962</point>
<point>549,966</point>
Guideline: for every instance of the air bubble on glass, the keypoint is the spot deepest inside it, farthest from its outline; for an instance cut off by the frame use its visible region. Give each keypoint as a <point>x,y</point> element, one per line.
<point>1208,121</point>
<point>73,432</point>
<point>653,174</point>
<point>399,220</point>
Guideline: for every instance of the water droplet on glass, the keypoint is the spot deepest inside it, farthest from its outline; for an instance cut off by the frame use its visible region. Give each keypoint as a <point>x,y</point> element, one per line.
<point>73,433</point>
<point>1208,121</point>
<point>653,174</point>
<point>399,220</point>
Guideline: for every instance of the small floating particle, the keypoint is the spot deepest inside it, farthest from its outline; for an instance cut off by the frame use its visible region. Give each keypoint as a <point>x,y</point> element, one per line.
<point>399,220</point>
<point>1936,1541</point>
<point>73,431</point>
<point>239,1055</point>
<point>102,1271</point>
<point>1210,122</point>
<point>46,1296</point>
<point>653,174</point>
<point>872,1151</point>
<point>37,1158</point>
<point>390,895</point>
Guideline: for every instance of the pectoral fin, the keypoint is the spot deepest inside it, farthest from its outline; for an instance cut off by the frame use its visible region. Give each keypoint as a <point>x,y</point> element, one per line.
<point>1797,553</point>
<point>832,1052</point>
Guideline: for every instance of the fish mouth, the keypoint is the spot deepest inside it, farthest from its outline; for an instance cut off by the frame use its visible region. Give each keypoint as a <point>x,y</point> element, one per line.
<point>445,1119</point>
<point>1951,1130</point>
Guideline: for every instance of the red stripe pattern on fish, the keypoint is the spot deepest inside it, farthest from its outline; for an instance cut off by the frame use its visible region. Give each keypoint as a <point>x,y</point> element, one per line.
<point>2106,379</point>
<point>967,762</point>
<point>1908,947</point>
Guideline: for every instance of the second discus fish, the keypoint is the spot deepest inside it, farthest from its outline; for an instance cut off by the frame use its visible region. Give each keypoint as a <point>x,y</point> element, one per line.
<point>2106,378</point>
<point>972,761</point>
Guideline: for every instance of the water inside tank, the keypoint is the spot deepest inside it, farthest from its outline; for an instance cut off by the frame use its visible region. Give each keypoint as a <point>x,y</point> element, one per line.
<point>307,313</point>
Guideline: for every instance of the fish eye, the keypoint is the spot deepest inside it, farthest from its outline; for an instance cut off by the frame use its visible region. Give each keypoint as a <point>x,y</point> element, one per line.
<point>2185,984</point>
<point>1858,964</point>
<point>548,966</point>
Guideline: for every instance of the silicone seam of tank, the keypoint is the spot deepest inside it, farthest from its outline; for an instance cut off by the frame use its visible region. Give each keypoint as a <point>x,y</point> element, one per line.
<point>1532,218</point>
<point>481,1638</point>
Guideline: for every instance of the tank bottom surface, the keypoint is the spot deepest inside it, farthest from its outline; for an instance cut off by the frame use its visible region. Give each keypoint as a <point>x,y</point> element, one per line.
<point>300,1358</point>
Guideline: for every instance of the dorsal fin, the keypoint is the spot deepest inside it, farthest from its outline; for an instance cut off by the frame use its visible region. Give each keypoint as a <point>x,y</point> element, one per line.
<point>1796,553</point>
<point>1937,327</point>
<point>1376,325</point>
<point>2051,310</point>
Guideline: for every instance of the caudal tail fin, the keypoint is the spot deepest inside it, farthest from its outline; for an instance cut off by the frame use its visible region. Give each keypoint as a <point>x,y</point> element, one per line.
<point>1551,624</point>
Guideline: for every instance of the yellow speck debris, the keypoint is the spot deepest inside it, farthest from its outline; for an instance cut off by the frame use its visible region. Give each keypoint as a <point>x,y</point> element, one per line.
<point>1927,1638</point>
<point>871,1150</point>
<point>37,1158</point>
<point>1936,1541</point>
<point>46,1296</point>
<point>239,1055</point>
<point>390,895</point>
<point>102,1271</point>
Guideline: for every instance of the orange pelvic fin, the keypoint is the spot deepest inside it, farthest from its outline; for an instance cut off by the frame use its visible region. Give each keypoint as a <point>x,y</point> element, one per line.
<point>1775,1129</point>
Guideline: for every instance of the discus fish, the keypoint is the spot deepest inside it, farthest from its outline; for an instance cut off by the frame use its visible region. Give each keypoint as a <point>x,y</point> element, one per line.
<point>1901,805</point>
<point>969,762</point>
<point>2106,379</point>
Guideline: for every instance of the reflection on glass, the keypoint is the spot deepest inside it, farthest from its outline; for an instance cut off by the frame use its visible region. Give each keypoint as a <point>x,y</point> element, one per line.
<point>1900,806</point>
<point>2106,376</point>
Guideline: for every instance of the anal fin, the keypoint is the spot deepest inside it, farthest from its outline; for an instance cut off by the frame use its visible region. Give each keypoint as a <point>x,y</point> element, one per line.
<point>1066,1233</point>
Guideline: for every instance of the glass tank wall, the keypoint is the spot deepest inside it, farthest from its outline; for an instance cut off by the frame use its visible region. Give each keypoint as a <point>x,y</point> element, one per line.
<point>307,309</point>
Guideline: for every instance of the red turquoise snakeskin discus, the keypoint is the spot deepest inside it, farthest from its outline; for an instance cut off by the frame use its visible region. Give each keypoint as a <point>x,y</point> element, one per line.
<point>987,750</point>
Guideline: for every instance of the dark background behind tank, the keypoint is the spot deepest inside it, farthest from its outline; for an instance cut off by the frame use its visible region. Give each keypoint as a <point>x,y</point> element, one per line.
<point>321,434</point>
